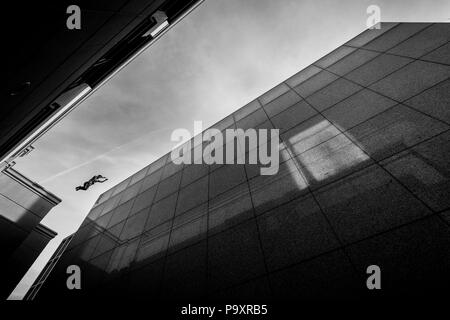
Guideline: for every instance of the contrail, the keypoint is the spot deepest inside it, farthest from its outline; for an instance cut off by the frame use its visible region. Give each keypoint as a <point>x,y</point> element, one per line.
<point>101,156</point>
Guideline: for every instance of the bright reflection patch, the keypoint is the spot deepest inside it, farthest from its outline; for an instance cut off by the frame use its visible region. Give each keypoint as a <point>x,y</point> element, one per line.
<point>325,159</point>
<point>292,169</point>
<point>312,136</point>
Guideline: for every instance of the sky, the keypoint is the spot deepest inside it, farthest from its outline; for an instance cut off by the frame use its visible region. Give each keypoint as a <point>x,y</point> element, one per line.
<point>220,57</point>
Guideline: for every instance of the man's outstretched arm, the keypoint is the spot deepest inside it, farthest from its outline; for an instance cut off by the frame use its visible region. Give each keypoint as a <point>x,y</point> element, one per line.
<point>100,177</point>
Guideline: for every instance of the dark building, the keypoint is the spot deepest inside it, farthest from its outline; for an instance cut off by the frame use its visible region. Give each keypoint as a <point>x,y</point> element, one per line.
<point>51,68</point>
<point>363,180</point>
<point>37,284</point>
<point>23,204</point>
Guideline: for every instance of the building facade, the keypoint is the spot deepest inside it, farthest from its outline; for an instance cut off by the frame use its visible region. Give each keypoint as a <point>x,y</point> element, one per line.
<point>37,284</point>
<point>23,204</point>
<point>363,180</point>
